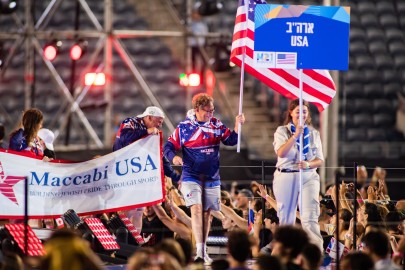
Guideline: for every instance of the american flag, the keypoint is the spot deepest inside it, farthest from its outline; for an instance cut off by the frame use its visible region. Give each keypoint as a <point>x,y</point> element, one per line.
<point>251,220</point>
<point>332,250</point>
<point>286,58</point>
<point>318,86</point>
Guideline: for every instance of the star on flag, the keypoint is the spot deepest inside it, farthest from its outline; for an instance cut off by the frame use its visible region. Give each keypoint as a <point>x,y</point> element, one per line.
<point>7,183</point>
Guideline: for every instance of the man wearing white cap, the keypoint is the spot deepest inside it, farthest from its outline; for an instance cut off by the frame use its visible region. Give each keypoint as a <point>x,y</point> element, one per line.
<point>134,128</point>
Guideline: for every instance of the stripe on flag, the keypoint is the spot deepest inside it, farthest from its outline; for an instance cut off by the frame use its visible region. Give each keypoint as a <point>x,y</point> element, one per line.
<point>251,220</point>
<point>318,86</point>
<point>286,58</point>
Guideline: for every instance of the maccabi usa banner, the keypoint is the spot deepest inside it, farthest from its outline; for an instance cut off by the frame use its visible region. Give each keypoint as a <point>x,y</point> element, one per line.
<point>128,178</point>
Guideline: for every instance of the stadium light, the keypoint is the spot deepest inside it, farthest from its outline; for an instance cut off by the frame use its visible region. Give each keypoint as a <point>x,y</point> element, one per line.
<point>77,50</point>
<point>12,238</point>
<point>192,79</point>
<point>183,79</point>
<point>51,49</point>
<point>94,79</point>
<point>93,230</point>
<point>105,241</point>
<point>121,221</point>
<point>8,6</point>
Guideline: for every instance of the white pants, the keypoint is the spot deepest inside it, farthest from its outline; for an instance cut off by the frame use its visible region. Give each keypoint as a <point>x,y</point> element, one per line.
<point>286,188</point>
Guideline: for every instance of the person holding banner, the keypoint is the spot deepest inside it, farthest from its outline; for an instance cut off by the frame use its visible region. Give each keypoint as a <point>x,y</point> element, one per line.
<point>134,128</point>
<point>199,137</point>
<point>25,139</point>
<point>286,184</point>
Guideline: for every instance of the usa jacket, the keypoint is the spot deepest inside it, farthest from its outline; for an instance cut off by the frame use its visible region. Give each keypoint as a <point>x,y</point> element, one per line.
<point>19,143</point>
<point>199,143</point>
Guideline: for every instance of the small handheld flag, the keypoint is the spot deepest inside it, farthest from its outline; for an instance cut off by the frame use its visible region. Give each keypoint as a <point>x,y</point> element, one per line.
<point>251,220</point>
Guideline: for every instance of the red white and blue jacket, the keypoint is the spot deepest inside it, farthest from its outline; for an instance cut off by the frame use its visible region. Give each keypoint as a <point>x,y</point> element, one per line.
<point>19,143</point>
<point>131,130</point>
<point>199,143</point>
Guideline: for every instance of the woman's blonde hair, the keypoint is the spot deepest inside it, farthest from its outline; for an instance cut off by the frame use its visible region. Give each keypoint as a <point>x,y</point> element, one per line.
<point>147,258</point>
<point>65,251</point>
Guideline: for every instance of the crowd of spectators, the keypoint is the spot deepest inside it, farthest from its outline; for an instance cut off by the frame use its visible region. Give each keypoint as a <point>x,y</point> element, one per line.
<point>166,229</point>
<point>361,220</point>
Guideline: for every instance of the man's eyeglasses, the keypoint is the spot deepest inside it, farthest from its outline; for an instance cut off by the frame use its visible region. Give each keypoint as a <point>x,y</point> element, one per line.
<point>210,111</point>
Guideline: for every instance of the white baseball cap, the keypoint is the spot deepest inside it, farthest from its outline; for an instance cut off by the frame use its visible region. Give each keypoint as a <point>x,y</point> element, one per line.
<point>152,111</point>
<point>47,136</point>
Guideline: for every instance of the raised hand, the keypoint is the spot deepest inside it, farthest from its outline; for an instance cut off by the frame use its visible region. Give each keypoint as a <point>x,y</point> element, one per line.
<point>178,161</point>
<point>262,191</point>
<point>153,131</point>
<point>371,196</point>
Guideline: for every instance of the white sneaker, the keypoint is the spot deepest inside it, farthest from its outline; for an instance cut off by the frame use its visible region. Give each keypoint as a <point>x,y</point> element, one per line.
<point>207,259</point>
<point>198,259</point>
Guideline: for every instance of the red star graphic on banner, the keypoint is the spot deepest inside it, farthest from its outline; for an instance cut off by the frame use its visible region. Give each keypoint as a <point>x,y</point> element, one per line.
<point>7,183</point>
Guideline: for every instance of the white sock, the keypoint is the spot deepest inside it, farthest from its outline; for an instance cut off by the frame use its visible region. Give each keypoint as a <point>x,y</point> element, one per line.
<point>199,247</point>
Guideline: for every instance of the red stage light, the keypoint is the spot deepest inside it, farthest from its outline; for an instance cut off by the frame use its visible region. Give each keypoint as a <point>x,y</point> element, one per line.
<point>16,231</point>
<point>131,228</point>
<point>101,233</point>
<point>76,52</point>
<point>51,50</point>
<point>210,82</point>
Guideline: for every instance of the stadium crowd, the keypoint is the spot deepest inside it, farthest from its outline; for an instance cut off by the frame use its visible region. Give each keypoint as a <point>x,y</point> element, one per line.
<point>166,229</point>
<point>248,217</point>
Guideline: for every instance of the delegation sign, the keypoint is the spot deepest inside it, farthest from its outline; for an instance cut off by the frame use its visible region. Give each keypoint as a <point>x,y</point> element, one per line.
<point>302,37</point>
<point>128,178</point>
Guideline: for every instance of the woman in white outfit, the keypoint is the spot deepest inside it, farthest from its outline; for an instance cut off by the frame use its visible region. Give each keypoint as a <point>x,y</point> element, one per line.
<point>286,177</point>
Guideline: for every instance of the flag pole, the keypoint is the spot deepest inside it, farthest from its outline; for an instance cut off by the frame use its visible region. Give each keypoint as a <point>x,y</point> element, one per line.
<point>301,137</point>
<point>242,78</point>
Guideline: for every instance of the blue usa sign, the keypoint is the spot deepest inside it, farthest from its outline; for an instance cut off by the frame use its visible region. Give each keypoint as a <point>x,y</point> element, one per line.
<point>303,37</point>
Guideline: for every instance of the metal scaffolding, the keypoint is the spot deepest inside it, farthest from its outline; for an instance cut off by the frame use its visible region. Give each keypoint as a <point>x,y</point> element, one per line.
<point>31,33</point>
